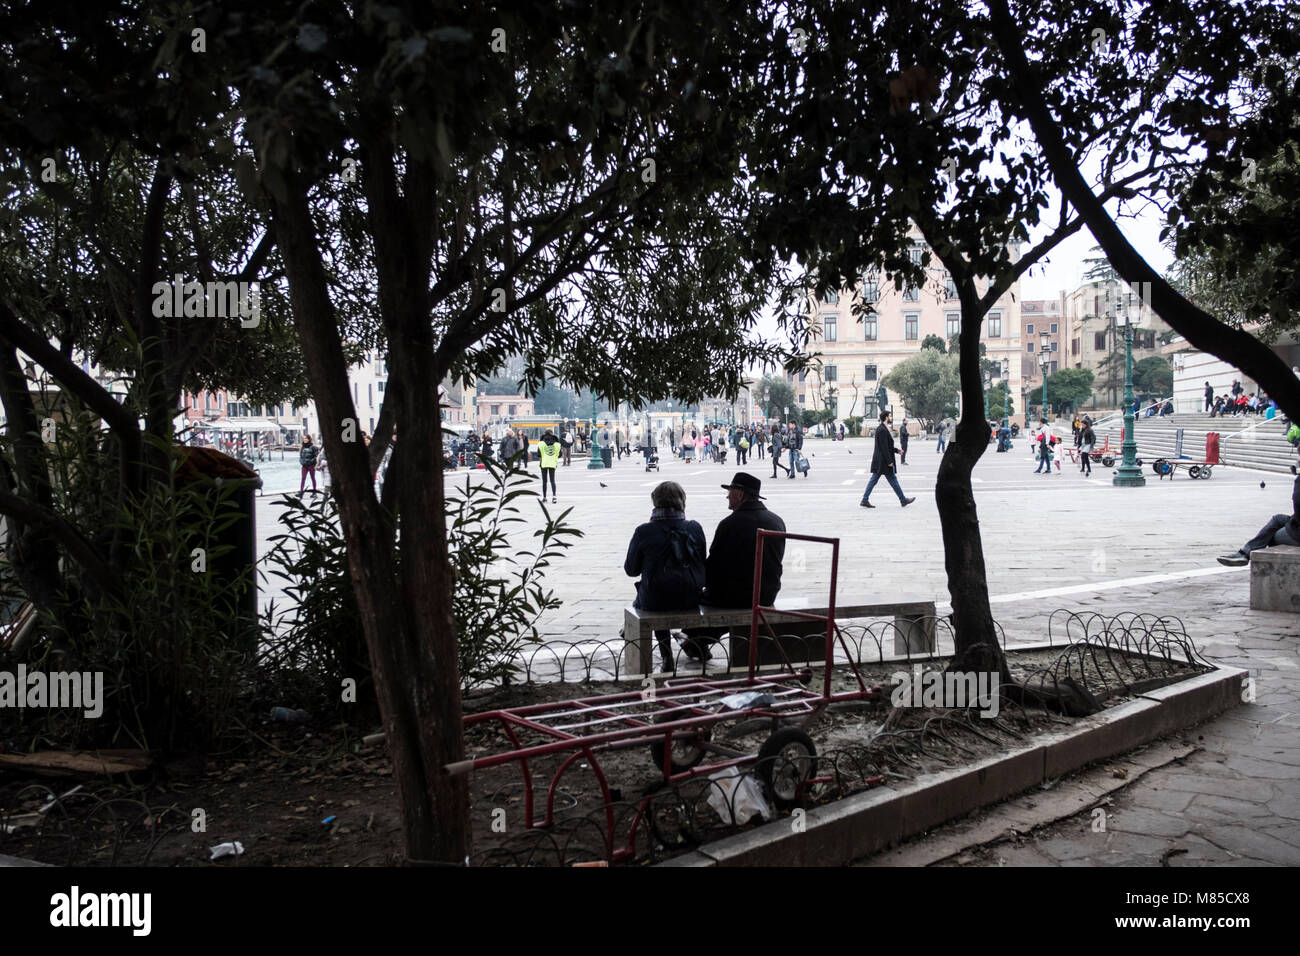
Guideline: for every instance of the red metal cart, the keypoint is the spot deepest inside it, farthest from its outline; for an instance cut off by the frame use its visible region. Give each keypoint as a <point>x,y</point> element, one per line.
<point>676,720</point>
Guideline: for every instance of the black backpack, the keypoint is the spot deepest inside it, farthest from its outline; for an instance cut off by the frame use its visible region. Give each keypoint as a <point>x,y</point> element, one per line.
<point>681,562</point>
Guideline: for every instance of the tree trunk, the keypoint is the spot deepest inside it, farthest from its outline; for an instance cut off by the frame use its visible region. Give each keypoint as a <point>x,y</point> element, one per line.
<point>977,646</point>
<point>408,623</point>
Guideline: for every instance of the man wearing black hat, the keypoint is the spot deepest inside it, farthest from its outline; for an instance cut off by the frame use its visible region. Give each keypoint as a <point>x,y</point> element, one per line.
<point>729,570</point>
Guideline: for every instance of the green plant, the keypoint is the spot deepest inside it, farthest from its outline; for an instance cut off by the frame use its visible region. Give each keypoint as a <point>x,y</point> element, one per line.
<point>498,595</point>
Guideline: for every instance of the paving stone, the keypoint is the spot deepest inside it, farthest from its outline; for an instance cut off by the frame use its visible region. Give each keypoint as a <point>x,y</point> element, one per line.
<point>1248,842</point>
<point>1146,820</point>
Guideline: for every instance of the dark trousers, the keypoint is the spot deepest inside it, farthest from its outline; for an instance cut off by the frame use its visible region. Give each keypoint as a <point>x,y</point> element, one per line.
<point>889,477</point>
<point>776,463</point>
<point>1085,463</point>
<point>548,473</point>
<point>307,470</point>
<point>1275,532</point>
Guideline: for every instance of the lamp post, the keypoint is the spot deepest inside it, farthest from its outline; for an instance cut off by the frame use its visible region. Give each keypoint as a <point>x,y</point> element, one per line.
<point>1128,474</point>
<point>1044,361</point>
<point>988,383</point>
<point>596,460</point>
<point>1006,392</point>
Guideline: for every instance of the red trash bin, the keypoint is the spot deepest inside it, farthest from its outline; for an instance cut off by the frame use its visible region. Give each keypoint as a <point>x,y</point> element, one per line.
<point>1212,448</point>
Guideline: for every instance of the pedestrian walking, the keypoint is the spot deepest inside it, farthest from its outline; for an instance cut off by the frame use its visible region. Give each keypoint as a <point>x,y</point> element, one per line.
<point>758,438</point>
<point>1209,396</point>
<point>1076,428</point>
<point>775,444</point>
<point>548,455</point>
<point>307,458</point>
<point>1088,443</point>
<point>902,442</point>
<point>1044,449</point>
<point>794,440</point>
<point>566,442</point>
<point>883,464</point>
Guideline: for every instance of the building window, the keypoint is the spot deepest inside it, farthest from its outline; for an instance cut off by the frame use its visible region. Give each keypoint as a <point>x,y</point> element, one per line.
<point>370,394</point>
<point>355,399</point>
<point>954,323</point>
<point>915,253</point>
<point>1053,328</point>
<point>911,294</point>
<point>801,398</point>
<point>949,287</point>
<point>1029,329</point>
<point>1053,368</point>
<point>832,298</point>
<point>496,409</point>
<point>869,373</point>
<point>1074,346</point>
<point>381,387</point>
<point>1099,341</point>
<point>1054,347</point>
<point>870,328</point>
<point>512,410</point>
<point>911,326</point>
<point>803,375</point>
<point>995,325</point>
<point>1029,347</point>
<point>871,286</point>
<point>830,328</point>
<point>832,374</point>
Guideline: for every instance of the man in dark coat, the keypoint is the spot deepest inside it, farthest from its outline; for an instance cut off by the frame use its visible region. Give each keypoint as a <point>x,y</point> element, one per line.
<point>882,463</point>
<point>729,571</point>
<point>1281,529</point>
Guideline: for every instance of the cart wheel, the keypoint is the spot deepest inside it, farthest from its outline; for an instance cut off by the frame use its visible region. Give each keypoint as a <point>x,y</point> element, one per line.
<point>1205,472</point>
<point>1158,466</point>
<point>1138,462</point>
<point>1108,461</point>
<point>688,748</point>
<point>785,761</point>
<point>1194,471</point>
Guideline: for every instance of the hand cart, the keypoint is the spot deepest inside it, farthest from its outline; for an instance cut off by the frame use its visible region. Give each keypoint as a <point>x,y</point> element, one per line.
<point>676,721</point>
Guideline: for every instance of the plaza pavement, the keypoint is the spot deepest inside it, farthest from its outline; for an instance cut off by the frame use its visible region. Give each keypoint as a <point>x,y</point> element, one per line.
<point>1058,541</point>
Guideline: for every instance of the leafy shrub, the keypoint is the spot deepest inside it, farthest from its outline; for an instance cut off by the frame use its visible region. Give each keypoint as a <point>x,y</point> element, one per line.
<point>498,595</point>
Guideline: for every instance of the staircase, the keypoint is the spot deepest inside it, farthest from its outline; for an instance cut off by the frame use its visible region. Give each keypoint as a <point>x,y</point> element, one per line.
<point>1244,442</point>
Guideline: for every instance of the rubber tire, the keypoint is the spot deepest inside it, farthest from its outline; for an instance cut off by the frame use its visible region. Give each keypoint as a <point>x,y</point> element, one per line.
<point>1138,462</point>
<point>690,755</point>
<point>1194,471</point>
<point>769,758</point>
<point>1158,466</point>
<point>1108,461</point>
<point>1205,472</point>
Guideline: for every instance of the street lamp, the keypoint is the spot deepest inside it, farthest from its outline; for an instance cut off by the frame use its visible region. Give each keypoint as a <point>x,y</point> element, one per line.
<point>1044,360</point>
<point>1006,392</point>
<point>1128,475</point>
<point>596,460</point>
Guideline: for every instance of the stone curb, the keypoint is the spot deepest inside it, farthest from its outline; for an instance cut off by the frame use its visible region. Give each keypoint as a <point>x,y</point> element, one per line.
<point>867,823</point>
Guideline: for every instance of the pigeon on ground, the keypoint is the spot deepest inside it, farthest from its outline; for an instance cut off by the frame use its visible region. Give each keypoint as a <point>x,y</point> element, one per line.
<point>850,451</point>
<point>602,484</point>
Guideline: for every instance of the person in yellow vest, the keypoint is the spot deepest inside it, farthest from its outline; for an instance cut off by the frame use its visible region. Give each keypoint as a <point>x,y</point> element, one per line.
<point>548,450</point>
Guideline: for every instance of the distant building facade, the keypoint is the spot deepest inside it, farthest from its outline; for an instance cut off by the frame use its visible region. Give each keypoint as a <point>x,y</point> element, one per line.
<point>850,355</point>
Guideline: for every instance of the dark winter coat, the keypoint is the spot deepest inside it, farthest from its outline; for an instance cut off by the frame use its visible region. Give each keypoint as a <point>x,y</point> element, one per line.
<point>665,585</point>
<point>882,461</point>
<point>307,457</point>
<point>729,572</point>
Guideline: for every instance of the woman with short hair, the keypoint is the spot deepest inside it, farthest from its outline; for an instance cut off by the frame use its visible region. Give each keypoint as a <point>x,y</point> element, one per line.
<point>668,552</point>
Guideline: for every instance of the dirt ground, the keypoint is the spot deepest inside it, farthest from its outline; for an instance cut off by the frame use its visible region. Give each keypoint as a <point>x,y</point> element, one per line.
<point>307,795</point>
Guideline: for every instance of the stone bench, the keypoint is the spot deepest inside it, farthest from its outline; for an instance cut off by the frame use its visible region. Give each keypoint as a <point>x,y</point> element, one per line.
<point>1275,579</point>
<point>913,621</point>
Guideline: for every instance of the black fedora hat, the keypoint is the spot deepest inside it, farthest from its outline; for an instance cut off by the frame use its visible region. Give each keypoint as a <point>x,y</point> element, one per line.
<point>746,482</point>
